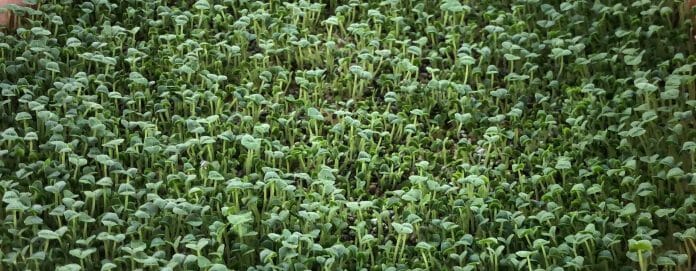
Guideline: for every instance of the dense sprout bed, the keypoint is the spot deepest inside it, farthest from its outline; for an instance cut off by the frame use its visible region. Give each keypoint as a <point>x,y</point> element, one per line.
<point>349,135</point>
